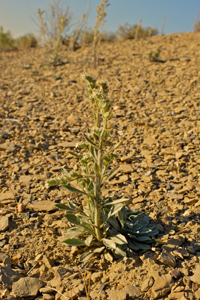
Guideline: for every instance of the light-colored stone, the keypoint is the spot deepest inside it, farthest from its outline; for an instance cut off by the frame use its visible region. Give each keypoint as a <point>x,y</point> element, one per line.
<point>4,223</point>
<point>26,287</point>
<point>42,206</point>
<point>162,286</point>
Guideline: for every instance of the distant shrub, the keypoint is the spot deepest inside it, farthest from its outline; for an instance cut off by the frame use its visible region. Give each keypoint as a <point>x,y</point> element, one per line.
<point>26,41</point>
<point>87,36</point>
<point>6,40</point>
<point>128,31</point>
<point>53,26</point>
<point>197,27</point>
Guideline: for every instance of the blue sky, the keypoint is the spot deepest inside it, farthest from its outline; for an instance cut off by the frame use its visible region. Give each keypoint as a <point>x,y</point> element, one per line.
<point>18,15</point>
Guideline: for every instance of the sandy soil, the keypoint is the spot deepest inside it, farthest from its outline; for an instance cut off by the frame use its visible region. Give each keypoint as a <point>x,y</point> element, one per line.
<point>44,112</point>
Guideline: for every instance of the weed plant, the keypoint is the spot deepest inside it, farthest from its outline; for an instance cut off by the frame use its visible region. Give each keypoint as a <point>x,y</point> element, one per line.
<point>98,28</point>
<point>77,32</point>
<point>53,26</point>
<point>101,223</point>
<point>154,56</point>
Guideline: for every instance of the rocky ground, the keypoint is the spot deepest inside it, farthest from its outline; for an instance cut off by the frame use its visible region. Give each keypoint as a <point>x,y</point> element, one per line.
<point>43,114</point>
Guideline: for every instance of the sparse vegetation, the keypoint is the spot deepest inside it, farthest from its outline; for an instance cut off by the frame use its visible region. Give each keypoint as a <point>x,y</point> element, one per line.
<point>53,26</point>
<point>196,27</point>
<point>98,28</point>
<point>6,40</point>
<point>26,41</point>
<point>154,56</point>
<point>101,223</point>
<point>128,31</point>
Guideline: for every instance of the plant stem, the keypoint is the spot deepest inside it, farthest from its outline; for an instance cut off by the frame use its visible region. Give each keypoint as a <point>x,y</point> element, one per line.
<point>98,230</point>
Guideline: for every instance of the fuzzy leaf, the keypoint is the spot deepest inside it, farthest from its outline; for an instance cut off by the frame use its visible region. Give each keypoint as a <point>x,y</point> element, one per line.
<point>109,243</point>
<point>72,219</point>
<point>86,256</point>
<point>111,174</point>
<point>73,232</point>
<point>99,250</point>
<point>121,200</point>
<point>75,154</point>
<point>72,189</point>
<point>88,241</point>
<point>65,207</point>
<point>119,253</point>
<point>119,239</point>
<point>74,242</point>
<point>115,209</point>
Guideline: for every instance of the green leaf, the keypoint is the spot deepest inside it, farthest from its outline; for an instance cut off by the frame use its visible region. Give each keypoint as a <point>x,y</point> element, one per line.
<point>73,232</point>
<point>119,239</point>
<point>144,238</point>
<point>75,154</point>
<point>72,189</point>
<point>89,239</point>
<point>121,200</point>
<point>63,206</point>
<point>119,253</point>
<point>74,242</point>
<point>114,148</point>
<point>86,256</point>
<point>99,250</point>
<point>72,219</point>
<point>109,243</point>
<point>93,152</point>
<point>115,209</point>
<point>111,174</point>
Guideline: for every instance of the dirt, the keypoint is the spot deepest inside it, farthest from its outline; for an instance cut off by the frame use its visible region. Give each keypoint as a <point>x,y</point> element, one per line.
<point>43,114</point>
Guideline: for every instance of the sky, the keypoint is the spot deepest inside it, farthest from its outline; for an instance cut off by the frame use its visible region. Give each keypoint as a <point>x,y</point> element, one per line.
<point>20,16</point>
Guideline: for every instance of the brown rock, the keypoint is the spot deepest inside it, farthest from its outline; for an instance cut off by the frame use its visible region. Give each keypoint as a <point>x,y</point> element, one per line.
<point>167,259</point>
<point>4,224</point>
<point>26,287</point>
<point>42,206</point>
<point>162,286</point>
<point>8,276</point>
<point>196,277</point>
<point>125,168</point>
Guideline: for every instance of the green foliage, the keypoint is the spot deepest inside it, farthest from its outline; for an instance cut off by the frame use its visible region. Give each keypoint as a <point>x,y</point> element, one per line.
<point>100,223</point>
<point>128,31</point>
<point>87,37</point>
<point>6,40</point>
<point>154,56</point>
<point>26,41</point>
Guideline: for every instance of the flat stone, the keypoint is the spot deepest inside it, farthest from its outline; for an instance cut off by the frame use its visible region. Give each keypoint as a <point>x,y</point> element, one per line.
<point>67,144</point>
<point>196,277</point>
<point>162,286</point>
<point>25,178</point>
<point>26,287</point>
<point>5,259</point>
<point>125,168</point>
<point>147,284</point>
<point>127,292</point>
<point>10,146</point>
<point>4,223</point>
<point>7,196</point>
<point>44,205</point>
<point>167,259</point>
<point>8,276</point>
